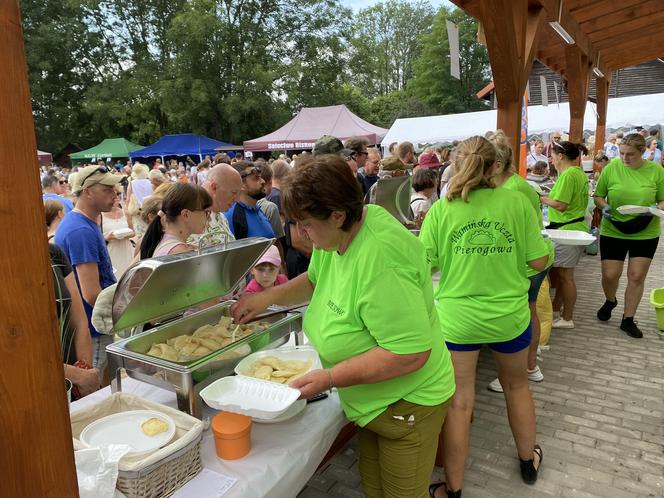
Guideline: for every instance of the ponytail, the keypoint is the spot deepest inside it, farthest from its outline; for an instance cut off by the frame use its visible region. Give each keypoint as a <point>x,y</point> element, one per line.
<point>474,158</point>
<point>570,150</point>
<point>152,237</point>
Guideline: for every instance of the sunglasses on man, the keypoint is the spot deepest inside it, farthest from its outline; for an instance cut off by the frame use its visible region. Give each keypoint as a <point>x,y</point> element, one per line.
<point>250,171</point>
<point>103,170</point>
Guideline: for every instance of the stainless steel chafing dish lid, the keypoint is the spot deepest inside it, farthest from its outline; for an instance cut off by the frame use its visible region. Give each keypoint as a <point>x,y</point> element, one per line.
<point>160,287</point>
<point>394,195</point>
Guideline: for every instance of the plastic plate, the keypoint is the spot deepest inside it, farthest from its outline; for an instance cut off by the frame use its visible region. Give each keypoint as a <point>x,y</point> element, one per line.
<point>125,428</point>
<point>569,237</point>
<point>294,409</point>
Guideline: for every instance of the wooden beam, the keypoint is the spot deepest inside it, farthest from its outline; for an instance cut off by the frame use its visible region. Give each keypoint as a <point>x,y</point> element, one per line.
<point>637,39</point>
<point>634,52</point>
<point>578,83</point>
<point>632,18</point>
<point>512,32</point>
<point>37,457</point>
<point>593,9</point>
<point>602,93</point>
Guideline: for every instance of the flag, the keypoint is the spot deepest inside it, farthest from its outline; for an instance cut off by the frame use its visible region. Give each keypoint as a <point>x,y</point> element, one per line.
<point>453,39</point>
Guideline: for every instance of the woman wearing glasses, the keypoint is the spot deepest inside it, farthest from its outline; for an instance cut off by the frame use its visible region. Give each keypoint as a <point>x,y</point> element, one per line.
<point>185,211</point>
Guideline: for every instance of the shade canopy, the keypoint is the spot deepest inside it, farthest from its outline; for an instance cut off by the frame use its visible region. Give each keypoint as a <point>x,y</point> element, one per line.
<point>641,110</point>
<point>185,144</point>
<point>44,157</point>
<point>310,124</point>
<point>110,147</point>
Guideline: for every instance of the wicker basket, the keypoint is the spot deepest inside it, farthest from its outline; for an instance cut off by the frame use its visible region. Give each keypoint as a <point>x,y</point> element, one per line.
<point>165,477</point>
<point>162,472</point>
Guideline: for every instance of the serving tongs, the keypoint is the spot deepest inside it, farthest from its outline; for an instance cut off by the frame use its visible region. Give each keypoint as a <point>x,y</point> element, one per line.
<point>281,309</point>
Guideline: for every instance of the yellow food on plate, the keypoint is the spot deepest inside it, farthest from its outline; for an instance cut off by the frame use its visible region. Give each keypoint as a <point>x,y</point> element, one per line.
<point>154,426</point>
<point>277,370</point>
<point>204,340</point>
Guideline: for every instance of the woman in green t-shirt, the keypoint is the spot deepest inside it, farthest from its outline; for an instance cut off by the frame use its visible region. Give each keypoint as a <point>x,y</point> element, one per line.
<point>373,321</point>
<point>628,180</point>
<point>568,202</point>
<point>482,238</point>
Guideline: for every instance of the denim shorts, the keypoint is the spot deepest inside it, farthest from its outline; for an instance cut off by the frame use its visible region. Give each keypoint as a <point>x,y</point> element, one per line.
<point>99,344</point>
<point>515,345</point>
<point>535,284</point>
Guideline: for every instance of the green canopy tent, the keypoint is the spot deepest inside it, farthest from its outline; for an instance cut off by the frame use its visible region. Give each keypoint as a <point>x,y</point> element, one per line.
<point>109,148</point>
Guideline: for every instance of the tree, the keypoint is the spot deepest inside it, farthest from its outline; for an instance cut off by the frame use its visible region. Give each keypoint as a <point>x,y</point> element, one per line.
<point>432,82</point>
<point>385,44</point>
<point>59,57</point>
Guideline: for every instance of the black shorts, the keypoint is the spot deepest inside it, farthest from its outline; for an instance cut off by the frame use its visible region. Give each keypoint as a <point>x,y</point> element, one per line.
<point>618,249</point>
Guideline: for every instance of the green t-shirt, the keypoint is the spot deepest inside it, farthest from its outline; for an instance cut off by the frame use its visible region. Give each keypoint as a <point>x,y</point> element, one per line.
<point>621,185</point>
<point>379,293</point>
<point>515,182</point>
<point>481,248</point>
<point>572,189</point>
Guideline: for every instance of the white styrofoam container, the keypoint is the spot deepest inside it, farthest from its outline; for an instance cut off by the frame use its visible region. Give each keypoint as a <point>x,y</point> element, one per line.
<point>299,353</point>
<point>570,237</point>
<point>247,396</point>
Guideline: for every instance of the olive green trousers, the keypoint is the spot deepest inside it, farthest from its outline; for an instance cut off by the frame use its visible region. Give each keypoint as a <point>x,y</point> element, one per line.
<point>398,449</point>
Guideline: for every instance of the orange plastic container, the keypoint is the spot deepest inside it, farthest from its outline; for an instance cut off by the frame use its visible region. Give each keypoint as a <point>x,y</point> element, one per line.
<point>232,435</point>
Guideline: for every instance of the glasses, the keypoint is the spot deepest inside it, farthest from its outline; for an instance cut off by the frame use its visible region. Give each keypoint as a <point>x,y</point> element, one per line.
<point>100,169</point>
<point>251,171</point>
<point>62,182</point>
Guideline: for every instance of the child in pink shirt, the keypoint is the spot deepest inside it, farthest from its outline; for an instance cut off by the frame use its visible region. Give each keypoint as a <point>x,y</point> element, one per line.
<point>266,272</point>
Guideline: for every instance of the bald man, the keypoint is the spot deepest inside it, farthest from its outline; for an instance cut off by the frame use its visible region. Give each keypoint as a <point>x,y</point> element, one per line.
<point>224,184</point>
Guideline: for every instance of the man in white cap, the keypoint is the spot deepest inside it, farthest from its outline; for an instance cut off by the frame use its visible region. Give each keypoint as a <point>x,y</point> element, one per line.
<point>223,184</point>
<point>80,237</point>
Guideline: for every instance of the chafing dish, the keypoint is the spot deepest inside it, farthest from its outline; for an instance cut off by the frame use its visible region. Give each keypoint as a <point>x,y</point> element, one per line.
<point>156,289</point>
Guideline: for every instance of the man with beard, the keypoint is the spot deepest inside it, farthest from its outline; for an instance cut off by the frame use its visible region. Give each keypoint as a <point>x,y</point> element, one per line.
<point>81,239</point>
<point>244,217</point>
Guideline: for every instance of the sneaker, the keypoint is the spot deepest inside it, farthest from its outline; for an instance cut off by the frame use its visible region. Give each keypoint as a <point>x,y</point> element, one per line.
<point>561,323</point>
<point>535,374</point>
<point>628,325</point>
<point>495,386</point>
<point>604,313</point>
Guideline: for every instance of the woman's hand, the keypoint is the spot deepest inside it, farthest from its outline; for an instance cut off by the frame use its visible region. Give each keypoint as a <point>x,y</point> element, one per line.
<point>312,383</point>
<point>249,306</point>
<point>87,381</point>
<point>108,236</point>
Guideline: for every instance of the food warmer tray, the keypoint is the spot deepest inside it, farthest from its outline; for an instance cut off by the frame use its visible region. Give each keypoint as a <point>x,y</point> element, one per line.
<point>154,290</point>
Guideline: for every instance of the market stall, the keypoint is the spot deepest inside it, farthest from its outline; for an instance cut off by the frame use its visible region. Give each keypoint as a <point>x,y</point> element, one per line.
<point>107,149</point>
<point>311,123</point>
<point>180,146</point>
<point>186,355</point>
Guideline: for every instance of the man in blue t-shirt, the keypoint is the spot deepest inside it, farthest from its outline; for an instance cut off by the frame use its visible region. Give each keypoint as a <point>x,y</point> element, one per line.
<point>53,188</point>
<point>80,237</point>
<point>244,217</point>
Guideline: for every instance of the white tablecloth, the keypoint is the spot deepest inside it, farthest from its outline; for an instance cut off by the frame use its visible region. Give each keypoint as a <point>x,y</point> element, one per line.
<point>283,456</point>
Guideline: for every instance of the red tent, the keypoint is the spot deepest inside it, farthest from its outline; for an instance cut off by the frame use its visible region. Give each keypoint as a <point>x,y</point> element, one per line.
<point>310,124</point>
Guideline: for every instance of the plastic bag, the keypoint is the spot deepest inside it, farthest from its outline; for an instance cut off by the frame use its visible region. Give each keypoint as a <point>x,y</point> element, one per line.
<point>544,312</point>
<point>97,470</point>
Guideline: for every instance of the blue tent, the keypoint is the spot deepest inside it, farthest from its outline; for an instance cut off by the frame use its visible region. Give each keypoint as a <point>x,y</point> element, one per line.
<point>186,144</point>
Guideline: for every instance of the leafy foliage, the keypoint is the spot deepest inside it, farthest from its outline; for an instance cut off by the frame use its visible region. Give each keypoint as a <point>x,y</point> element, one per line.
<point>235,69</point>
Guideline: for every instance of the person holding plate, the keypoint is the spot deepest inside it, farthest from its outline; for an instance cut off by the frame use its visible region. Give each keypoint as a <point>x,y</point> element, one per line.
<point>628,180</point>
<point>372,320</point>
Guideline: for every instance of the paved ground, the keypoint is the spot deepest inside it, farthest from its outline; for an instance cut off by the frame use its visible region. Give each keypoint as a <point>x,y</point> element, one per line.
<point>600,413</point>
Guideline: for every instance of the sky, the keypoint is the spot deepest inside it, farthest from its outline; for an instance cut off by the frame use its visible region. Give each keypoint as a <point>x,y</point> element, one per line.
<point>361,4</point>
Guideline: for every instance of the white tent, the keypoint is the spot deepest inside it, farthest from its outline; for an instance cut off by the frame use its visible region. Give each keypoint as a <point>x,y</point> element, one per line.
<point>643,110</point>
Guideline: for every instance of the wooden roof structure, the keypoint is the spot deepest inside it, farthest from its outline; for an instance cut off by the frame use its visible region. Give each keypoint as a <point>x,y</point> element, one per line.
<point>575,38</point>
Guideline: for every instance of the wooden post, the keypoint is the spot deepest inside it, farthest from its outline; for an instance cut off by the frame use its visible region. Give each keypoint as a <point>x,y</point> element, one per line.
<point>37,458</point>
<point>602,93</point>
<point>512,29</point>
<point>578,82</point>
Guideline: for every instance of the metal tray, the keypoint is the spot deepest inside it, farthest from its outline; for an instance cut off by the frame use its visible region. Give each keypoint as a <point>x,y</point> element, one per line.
<point>187,379</point>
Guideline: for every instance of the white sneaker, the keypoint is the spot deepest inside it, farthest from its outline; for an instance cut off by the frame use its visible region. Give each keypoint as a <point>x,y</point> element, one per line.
<point>535,374</point>
<point>495,386</point>
<point>561,323</point>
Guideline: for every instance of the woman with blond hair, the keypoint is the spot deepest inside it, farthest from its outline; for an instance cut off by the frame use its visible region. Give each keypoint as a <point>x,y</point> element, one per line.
<point>506,177</point>
<point>482,238</point>
<point>628,179</point>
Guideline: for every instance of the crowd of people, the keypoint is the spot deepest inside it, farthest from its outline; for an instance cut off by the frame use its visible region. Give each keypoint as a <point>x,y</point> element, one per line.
<point>402,354</point>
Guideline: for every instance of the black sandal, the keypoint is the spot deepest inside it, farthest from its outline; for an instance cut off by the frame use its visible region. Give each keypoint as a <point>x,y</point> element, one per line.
<point>450,494</point>
<point>528,470</point>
